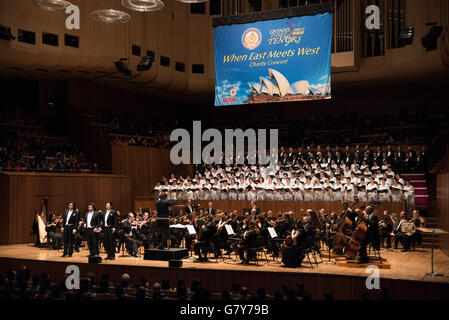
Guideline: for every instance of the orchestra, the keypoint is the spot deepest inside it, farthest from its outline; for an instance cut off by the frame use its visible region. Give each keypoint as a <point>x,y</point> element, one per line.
<point>220,233</point>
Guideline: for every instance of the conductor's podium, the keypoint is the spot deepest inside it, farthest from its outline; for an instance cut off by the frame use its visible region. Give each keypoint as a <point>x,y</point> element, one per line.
<point>166,254</point>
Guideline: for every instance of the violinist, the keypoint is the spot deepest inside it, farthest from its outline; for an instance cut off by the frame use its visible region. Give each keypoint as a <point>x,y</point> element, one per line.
<point>301,238</point>
<point>249,243</point>
<point>222,235</point>
<point>144,230</point>
<point>52,232</point>
<point>205,240</point>
<point>130,227</point>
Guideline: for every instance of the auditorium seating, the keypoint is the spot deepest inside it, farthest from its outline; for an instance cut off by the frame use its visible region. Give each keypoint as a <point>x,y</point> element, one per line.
<point>27,145</point>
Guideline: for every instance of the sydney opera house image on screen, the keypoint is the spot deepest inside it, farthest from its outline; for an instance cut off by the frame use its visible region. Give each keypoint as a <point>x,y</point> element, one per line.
<point>277,88</point>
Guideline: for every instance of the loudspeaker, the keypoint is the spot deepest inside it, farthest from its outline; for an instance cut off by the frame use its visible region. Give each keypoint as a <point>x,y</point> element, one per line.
<point>430,40</point>
<point>175,263</point>
<point>146,62</point>
<point>95,259</point>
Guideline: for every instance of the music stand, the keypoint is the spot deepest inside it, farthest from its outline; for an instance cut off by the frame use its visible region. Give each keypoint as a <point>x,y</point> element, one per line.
<point>434,231</point>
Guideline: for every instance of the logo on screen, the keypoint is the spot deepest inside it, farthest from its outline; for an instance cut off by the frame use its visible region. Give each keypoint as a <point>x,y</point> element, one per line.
<point>251,38</point>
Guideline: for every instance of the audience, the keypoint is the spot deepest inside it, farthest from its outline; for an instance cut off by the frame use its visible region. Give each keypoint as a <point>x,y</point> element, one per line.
<point>25,145</point>
<point>20,285</point>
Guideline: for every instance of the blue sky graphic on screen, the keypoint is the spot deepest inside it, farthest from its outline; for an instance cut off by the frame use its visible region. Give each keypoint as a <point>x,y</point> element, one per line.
<point>273,61</point>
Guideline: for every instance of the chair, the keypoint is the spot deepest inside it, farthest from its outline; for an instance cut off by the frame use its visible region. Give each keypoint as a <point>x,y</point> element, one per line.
<point>308,252</point>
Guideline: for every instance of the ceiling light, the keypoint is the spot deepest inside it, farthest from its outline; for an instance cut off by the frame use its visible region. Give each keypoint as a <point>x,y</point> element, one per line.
<point>143,5</point>
<point>52,5</point>
<point>191,1</point>
<point>110,16</point>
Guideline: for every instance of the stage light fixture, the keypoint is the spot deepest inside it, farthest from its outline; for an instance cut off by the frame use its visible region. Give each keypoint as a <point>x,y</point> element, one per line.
<point>146,62</point>
<point>192,1</point>
<point>52,5</point>
<point>122,68</point>
<point>143,5</point>
<point>110,16</point>
<point>430,40</point>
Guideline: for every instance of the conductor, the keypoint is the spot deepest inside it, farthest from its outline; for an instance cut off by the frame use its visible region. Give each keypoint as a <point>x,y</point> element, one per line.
<point>163,219</point>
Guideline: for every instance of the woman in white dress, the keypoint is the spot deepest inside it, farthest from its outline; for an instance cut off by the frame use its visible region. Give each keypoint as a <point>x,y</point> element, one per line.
<point>384,191</point>
<point>371,190</point>
<point>396,191</point>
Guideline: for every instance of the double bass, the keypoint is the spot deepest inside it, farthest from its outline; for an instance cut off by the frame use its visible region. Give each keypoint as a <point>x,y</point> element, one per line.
<point>344,225</point>
<point>357,237</point>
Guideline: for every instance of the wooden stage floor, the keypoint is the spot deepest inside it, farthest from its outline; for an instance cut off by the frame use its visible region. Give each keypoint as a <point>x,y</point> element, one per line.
<point>405,266</point>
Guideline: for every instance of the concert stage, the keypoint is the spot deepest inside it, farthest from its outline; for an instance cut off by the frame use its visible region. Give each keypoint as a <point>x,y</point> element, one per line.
<point>405,280</point>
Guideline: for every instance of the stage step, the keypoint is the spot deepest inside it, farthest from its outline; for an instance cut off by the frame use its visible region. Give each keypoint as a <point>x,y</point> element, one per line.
<point>372,262</point>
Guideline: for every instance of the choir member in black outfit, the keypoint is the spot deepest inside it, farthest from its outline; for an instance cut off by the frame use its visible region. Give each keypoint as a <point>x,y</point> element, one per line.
<point>93,227</point>
<point>109,225</point>
<point>69,227</point>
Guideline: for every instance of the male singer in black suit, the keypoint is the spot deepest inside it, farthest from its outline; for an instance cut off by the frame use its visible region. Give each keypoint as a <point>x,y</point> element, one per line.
<point>109,222</point>
<point>163,215</point>
<point>69,227</point>
<point>92,226</point>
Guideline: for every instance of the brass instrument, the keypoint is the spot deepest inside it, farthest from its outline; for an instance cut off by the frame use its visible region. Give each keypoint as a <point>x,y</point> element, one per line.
<point>408,227</point>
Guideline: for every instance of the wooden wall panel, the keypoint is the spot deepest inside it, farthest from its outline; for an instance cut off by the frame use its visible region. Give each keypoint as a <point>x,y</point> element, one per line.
<point>275,206</point>
<point>443,209</point>
<point>144,166</point>
<point>24,193</point>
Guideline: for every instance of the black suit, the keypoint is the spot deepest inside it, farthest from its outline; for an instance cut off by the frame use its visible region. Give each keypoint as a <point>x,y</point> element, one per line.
<point>131,241</point>
<point>371,237</point>
<point>109,223</point>
<point>92,237</point>
<point>70,224</point>
<point>163,224</point>
<point>210,211</point>
<point>187,209</point>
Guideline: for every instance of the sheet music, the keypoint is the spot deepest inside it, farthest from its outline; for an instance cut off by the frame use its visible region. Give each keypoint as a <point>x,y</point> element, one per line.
<point>229,230</point>
<point>178,226</point>
<point>272,232</point>
<point>190,229</point>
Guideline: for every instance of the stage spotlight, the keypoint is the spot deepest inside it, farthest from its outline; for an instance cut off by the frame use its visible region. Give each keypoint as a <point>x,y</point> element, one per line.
<point>5,33</point>
<point>146,62</point>
<point>122,68</point>
<point>430,40</point>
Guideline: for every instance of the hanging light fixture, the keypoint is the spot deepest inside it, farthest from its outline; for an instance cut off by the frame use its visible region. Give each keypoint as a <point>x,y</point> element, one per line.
<point>143,5</point>
<point>110,16</point>
<point>52,5</point>
<point>191,1</point>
